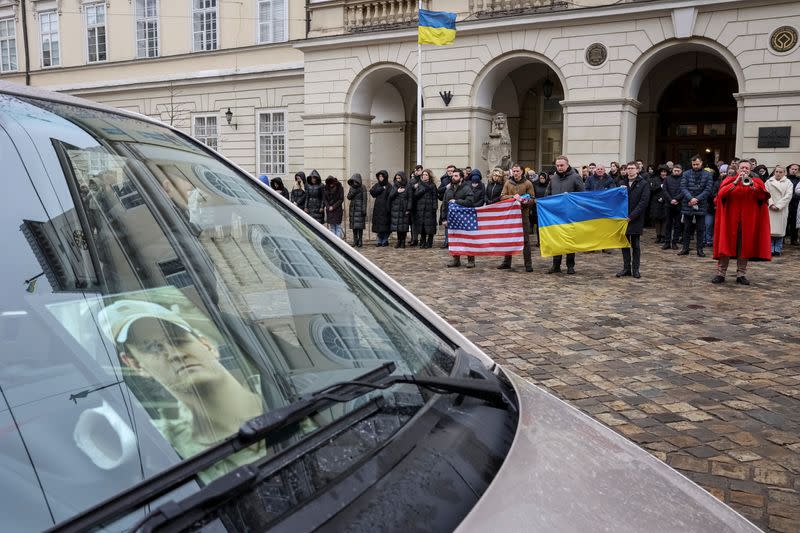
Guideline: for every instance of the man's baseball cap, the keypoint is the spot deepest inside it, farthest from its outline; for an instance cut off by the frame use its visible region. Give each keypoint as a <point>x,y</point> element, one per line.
<point>115,320</point>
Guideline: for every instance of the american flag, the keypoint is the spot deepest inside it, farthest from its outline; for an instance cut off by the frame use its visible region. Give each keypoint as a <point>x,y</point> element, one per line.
<point>494,229</point>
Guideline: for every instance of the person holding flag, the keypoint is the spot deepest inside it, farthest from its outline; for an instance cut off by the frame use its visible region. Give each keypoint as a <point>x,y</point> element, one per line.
<point>638,200</point>
<point>521,189</point>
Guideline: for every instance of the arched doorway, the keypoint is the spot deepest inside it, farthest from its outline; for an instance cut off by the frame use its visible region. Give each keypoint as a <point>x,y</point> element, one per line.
<point>528,90</point>
<point>687,107</point>
<point>382,120</point>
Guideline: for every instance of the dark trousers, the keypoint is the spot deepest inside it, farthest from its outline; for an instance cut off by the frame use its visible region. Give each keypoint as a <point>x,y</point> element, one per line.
<point>570,261</point>
<point>414,229</point>
<point>673,228</point>
<point>698,223</point>
<point>383,237</point>
<point>627,263</point>
<point>526,248</point>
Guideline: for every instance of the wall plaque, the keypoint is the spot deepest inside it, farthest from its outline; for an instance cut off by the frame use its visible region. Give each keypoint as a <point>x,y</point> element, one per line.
<point>596,54</point>
<point>783,39</point>
<point>774,137</point>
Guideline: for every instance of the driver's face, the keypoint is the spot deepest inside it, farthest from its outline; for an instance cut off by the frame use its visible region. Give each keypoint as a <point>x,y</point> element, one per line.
<point>179,364</point>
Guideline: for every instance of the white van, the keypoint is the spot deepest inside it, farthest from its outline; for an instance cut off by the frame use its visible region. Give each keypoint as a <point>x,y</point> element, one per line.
<point>182,349</point>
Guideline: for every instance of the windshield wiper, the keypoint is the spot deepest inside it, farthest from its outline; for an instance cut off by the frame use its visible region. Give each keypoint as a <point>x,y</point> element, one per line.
<point>177,515</point>
<point>250,433</point>
<point>263,427</point>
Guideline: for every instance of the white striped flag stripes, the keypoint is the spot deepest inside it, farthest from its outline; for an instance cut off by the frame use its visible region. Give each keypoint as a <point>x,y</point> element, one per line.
<point>494,229</point>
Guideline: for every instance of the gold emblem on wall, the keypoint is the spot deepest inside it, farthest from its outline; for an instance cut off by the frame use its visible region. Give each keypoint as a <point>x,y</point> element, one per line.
<point>783,39</point>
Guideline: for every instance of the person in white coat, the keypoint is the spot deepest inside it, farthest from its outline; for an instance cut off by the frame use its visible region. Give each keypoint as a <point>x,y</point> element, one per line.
<point>780,190</point>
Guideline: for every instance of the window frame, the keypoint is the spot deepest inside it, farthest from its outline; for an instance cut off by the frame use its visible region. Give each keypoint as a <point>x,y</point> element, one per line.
<point>13,23</point>
<point>259,170</point>
<point>88,28</point>
<point>285,22</point>
<point>192,12</point>
<point>140,17</point>
<point>201,138</point>
<point>41,15</point>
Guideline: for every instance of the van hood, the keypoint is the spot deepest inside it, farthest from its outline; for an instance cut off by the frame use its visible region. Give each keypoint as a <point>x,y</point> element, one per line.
<point>567,472</point>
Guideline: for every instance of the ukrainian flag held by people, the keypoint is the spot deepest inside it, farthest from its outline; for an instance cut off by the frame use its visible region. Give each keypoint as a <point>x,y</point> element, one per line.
<point>583,221</point>
<point>436,27</point>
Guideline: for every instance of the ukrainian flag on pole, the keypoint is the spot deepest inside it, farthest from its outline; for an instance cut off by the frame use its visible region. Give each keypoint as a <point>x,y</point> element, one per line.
<point>583,221</point>
<point>436,27</point>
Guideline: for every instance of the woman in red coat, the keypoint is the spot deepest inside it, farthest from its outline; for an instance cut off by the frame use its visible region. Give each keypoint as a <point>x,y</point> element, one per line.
<point>741,226</point>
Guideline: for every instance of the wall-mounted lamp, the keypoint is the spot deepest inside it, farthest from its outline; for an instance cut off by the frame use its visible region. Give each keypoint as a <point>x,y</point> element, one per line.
<point>447,96</point>
<point>547,87</point>
<point>229,118</point>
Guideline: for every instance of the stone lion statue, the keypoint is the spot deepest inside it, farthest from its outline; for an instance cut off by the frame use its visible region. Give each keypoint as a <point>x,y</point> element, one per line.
<point>496,149</point>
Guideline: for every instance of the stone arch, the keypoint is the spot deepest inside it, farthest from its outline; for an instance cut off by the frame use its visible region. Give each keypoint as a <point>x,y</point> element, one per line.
<point>493,73</point>
<point>366,82</point>
<point>513,83</point>
<point>655,55</point>
<point>372,141</point>
<point>639,126</point>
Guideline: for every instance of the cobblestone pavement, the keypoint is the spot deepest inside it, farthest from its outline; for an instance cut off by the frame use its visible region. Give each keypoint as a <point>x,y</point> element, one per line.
<point>704,377</point>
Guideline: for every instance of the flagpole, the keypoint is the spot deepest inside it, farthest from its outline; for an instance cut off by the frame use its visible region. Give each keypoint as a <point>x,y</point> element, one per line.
<point>419,92</point>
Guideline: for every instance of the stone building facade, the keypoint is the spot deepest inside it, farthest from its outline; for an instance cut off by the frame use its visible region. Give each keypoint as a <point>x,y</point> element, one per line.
<point>331,84</point>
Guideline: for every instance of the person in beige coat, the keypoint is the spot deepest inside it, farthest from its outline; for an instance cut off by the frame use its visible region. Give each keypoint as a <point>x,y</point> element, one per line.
<point>780,190</point>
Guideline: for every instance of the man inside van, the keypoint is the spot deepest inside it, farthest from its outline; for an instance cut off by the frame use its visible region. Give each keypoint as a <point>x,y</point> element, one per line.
<point>158,343</point>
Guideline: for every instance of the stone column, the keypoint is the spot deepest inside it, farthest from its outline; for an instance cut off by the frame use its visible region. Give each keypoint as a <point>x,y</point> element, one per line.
<point>600,130</point>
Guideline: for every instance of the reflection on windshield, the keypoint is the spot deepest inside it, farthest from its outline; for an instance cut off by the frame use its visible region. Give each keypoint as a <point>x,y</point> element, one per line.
<point>170,299</point>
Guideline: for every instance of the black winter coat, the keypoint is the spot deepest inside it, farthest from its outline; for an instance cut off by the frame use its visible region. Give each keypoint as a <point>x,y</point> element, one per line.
<point>314,200</point>
<point>478,194</point>
<point>298,198</point>
<point>426,203</point>
<point>461,193</point>
<point>357,195</point>
<point>333,197</point>
<point>656,210</point>
<point>380,209</point>
<point>569,181</point>
<point>400,205</point>
<point>638,200</point>
<point>672,190</point>
<point>493,190</point>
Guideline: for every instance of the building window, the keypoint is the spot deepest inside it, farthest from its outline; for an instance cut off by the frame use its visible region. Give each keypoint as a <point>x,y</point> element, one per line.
<point>146,28</point>
<point>272,143</point>
<point>8,46</point>
<point>205,130</point>
<point>96,32</point>
<point>175,274</point>
<point>48,29</point>
<point>353,342</point>
<point>271,21</point>
<point>295,258</point>
<point>204,25</point>
<point>128,195</point>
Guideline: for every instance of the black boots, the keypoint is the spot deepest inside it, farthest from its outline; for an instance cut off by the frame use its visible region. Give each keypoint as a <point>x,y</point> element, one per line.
<point>358,236</point>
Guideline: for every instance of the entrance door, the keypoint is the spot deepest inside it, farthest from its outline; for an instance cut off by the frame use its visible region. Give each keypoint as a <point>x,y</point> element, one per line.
<point>697,115</point>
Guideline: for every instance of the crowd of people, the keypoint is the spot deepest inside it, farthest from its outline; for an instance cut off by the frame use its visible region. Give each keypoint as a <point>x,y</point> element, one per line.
<point>682,205</point>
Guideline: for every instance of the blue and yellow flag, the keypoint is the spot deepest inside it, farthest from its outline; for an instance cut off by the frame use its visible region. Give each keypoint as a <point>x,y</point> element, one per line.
<point>583,221</point>
<point>436,27</point>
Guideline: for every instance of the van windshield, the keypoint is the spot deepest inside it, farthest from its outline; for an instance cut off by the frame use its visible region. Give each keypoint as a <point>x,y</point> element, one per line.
<point>154,299</point>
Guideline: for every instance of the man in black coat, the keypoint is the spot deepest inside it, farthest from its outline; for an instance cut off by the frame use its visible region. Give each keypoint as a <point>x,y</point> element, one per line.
<point>460,193</point>
<point>672,201</point>
<point>638,200</point>
<point>565,179</point>
<point>444,181</point>
<point>415,178</point>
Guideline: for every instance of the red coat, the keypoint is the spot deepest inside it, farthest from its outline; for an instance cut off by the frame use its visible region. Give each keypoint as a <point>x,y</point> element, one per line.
<point>742,208</point>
